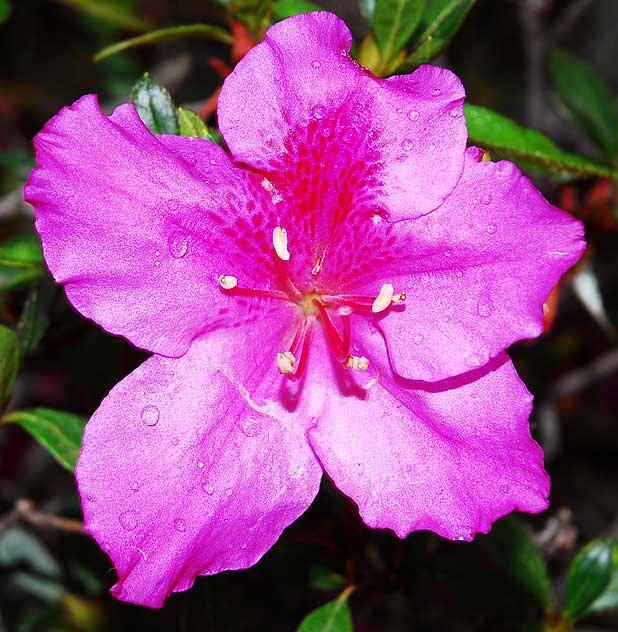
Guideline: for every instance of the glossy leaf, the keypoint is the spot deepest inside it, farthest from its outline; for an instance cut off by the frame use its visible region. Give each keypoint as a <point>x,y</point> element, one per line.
<point>35,317</point>
<point>608,600</point>
<point>166,34</point>
<point>5,10</point>
<point>394,22</point>
<point>493,131</point>
<point>514,550</point>
<point>59,432</point>
<point>191,124</point>
<point>110,12</point>
<point>586,97</point>
<point>155,106</point>
<point>588,577</point>
<point>334,616</point>
<point>10,358</point>
<point>439,24</point>
<point>22,252</point>
<point>287,8</point>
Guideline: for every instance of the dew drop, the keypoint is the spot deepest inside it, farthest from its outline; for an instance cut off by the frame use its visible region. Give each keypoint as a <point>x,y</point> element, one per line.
<point>454,113</point>
<point>413,115</point>
<point>399,111</point>
<point>208,488</point>
<point>504,489</point>
<point>90,499</point>
<point>251,427</point>
<point>200,464</point>
<point>180,524</point>
<point>326,132</point>
<point>318,112</point>
<point>491,229</point>
<point>316,64</point>
<point>436,92</point>
<point>348,136</point>
<point>447,253</point>
<point>458,273</point>
<point>157,263</point>
<point>418,339</point>
<point>486,199</point>
<point>150,415</point>
<point>172,205</point>
<point>178,245</point>
<point>228,491</point>
<point>407,144</point>
<point>127,520</point>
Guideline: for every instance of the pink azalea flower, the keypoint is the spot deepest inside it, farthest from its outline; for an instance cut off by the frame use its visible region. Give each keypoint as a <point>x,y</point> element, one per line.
<point>336,294</point>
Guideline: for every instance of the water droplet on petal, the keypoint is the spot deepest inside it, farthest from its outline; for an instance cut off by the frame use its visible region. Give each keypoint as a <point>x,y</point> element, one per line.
<point>455,112</point>
<point>200,464</point>
<point>326,132</point>
<point>172,205</point>
<point>178,245</point>
<point>315,64</point>
<point>180,524</point>
<point>491,229</point>
<point>436,92</point>
<point>251,426</point>
<point>127,520</point>
<point>486,199</point>
<point>348,136</point>
<point>399,111</point>
<point>418,339</point>
<point>90,499</point>
<point>407,144</point>
<point>413,115</point>
<point>447,253</point>
<point>228,491</point>
<point>458,273</point>
<point>208,488</point>
<point>318,112</point>
<point>150,415</point>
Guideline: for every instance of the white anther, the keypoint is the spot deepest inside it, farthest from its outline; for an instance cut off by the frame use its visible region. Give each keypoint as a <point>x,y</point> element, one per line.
<point>280,242</point>
<point>228,282</point>
<point>344,310</point>
<point>383,299</point>
<point>360,363</point>
<point>285,362</point>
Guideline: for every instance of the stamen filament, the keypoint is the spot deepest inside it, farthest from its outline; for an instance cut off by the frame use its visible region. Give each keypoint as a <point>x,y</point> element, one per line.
<point>229,284</point>
<point>337,343</point>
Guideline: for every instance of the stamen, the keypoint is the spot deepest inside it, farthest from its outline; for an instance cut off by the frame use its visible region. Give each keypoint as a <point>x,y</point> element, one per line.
<point>339,346</point>
<point>383,299</point>
<point>360,363</point>
<point>285,362</point>
<point>228,282</point>
<point>280,242</point>
<point>399,298</point>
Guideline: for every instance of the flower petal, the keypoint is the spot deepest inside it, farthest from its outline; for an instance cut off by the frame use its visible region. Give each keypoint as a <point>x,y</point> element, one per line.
<point>182,474</point>
<point>476,272</point>
<point>331,135</point>
<point>450,458</point>
<point>138,228</point>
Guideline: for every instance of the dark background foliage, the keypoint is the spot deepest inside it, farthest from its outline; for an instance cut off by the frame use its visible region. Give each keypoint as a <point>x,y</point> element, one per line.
<point>520,577</point>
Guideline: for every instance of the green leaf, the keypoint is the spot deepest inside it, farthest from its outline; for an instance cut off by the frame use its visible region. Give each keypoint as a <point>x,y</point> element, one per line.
<point>191,124</point>
<point>22,252</point>
<point>440,22</point>
<point>334,616</point>
<point>588,577</point>
<point>10,359</point>
<point>59,432</point>
<point>608,600</point>
<point>514,550</point>
<point>324,578</point>
<point>155,106</point>
<point>394,22</point>
<point>35,317</point>
<point>586,96</point>
<point>493,131</point>
<point>367,8</point>
<point>283,9</point>
<point>11,278</point>
<point>166,34</point>
<point>5,10</point>
<point>110,12</point>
